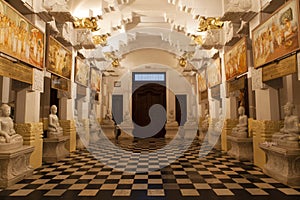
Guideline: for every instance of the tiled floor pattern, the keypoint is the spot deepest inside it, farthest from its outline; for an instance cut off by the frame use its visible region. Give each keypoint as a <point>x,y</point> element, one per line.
<point>215,176</point>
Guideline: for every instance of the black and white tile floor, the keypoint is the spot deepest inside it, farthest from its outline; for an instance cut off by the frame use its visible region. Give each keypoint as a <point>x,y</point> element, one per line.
<point>214,176</point>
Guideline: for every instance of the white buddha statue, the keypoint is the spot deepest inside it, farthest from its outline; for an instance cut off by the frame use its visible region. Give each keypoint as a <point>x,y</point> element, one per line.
<point>108,118</point>
<point>171,119</point>
<point>7,131</point>
<point>290,130</point>
<point>241,129</point>
<point>54,128</point>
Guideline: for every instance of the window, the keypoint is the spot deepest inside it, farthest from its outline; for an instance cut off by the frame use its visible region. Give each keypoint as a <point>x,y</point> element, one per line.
<point>149,76</point>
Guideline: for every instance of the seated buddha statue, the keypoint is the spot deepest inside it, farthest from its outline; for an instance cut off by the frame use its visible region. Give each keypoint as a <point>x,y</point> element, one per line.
<point>290,130</point>
<point>54,128</point>
<point>171,119</point>
<point>241,129</point>
<point>7,131</point>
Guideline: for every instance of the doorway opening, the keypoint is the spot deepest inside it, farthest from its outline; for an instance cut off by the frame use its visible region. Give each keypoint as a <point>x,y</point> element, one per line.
<point>149,89</point>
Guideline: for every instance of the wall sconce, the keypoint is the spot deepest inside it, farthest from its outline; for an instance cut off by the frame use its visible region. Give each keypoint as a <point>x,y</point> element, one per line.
<point>100,39</point>
<point>115,62</point>
<point>198,39</point>
<point>182,62</point>
<point>209,23</point>
<point>88,23</point>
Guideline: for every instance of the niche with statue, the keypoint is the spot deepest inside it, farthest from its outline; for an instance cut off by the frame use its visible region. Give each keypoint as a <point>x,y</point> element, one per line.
<point>54,144</point>
<point>14,156</point>
<point>283,152</point>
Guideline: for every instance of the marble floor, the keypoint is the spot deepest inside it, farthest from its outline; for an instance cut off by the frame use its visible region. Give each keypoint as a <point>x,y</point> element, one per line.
<point>102,173</point>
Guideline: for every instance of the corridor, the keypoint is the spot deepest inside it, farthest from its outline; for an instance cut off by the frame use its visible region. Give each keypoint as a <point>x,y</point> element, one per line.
<point>191,176</point>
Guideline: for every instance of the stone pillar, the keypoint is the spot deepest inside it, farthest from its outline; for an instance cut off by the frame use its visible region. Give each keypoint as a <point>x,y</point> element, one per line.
<point>291,85</point>
<point>67,122</point>
<point>27,115</point>
<point>229,124</point>
<point>5,87</point>
<point>266,123</point>
<point>230,120</point>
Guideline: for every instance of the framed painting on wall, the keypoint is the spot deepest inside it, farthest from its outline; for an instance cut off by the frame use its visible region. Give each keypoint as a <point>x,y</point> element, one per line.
<point>19,38</point>
<point>95,79</point>
<point>277,36</point>
<point>82,74</point>
<point>214,73</point>
<point>60,83</point>
<point>202,86</point>
<point>59,59</point>
<point>236,60</point>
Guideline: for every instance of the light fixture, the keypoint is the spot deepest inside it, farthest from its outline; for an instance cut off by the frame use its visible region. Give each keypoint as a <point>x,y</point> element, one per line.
<point>86,23</point>
<point>100,39</point>
<point>209,23</point>
<point>182,62</point>
<point>115,62</point>
<point>198,39</point>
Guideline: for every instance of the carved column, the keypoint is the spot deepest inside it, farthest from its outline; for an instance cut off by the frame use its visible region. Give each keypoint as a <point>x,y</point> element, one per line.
<point>69,130</point>
<point>262,131</point>
<point>229,124</point>
<point>67,122</point>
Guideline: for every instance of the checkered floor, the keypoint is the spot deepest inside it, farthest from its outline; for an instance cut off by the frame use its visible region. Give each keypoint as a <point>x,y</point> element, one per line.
<point>86,175</point>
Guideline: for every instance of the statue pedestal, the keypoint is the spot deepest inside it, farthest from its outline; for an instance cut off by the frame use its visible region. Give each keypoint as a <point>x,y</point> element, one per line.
<point>109,130</point>
<point>81,142</point>
<point>54,149</point>
<point>126,130</point>
<point>94,134</point>
<point>14,165</point>
<point>241,148</point>
<point>282,164</point>
<point>171,130</point>
<point>214,139</point>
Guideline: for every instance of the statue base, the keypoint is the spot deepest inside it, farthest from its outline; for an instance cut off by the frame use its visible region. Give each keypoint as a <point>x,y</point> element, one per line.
<point>282,164</point>
<point>94,135</point>
<point>126,130</point>
<point>109,130</point>
<point>171,130</point>
<point>54,149</point>
<point>14,165</point>
<point>81,142</point>
<point>11,146</point>
<point>241,148</point>
<point>190,130</point>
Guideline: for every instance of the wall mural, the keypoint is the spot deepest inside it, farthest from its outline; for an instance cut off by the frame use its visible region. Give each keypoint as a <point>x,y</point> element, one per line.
<point>277,36</point>
<point>214,73</point>
<point>82,74</point>
<point>95,79</point>
<point>202,86</point>
<point>19,38</point>
<point>236,60</point>
<point>60,59</point>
